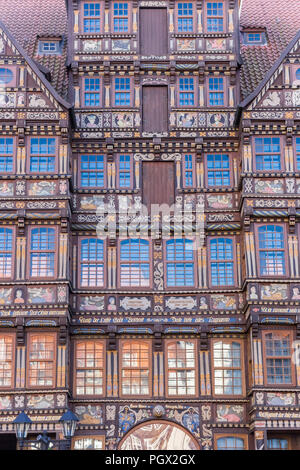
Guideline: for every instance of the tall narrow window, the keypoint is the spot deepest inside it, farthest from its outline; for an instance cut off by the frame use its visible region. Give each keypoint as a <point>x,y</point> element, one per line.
<point>6,360</point>
<point>90,361</point>
<point>122,91</point>
<point>222,262</point>
<point>124,171</point>
<point>185,17</point>
<point>92,171</point>
<point>135,365</point>
<point>92,92</point>
<point>41,360</point>
<point>227,368</point>
<point>218,170</point>
<point>91,17</point>
<point>42,252</point>
<point>135,266</point>
<point>181,358</point>
<point>186,92</point>
<point>230,443</point>
<point>120,17</point>
<point>6,252</point>
<point>42,155</point>
<point>6,154</point>
<point>92,263</point>
<point>278,358</point>
<point>267,153</point>
<point>215,17</point>
<point>298,153</point>
<point>188,179</point>
<point>216,91</point>
<point>180,263</point>
<point>271,250</point>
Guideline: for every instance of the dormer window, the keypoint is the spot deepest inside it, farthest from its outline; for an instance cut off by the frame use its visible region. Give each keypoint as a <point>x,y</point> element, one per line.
<point>49,46</point>
<point>254,38</point>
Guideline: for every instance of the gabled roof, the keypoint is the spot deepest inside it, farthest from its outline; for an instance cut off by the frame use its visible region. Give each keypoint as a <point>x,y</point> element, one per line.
<point>281,19</point>
<point>29,19</point>
<point>34,67</point>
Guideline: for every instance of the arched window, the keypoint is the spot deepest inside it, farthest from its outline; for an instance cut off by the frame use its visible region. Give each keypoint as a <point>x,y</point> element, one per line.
<point>227,362</point>
<point>89,368</point>
<point>135,365</point>
<point>181,358</point>
<point>42,252</point>
<point>6,76</point>
<point>271,250</point>
<point>134,266</point>
<point>222,262</point>
<point>278,444</point>
<point>6,239</point>
<point>180,263</point>
<point>91,263</point>
<point>298,74</point>
<point>230,443</point>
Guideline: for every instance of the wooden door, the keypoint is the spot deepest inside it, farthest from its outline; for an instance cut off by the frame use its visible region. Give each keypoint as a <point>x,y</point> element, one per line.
<point>153,31</point>
<point>155,108</point>
<point>158,183</point>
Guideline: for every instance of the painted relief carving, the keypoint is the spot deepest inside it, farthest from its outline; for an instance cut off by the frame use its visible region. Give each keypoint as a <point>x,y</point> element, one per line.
<point>216,120</point>
<point>186,119</point>
<point>219,201</point>
<point>110,412</point>
<point>128,417</point>
<point>91,46</point>
<point>120,45</point>
<point>7,100</point>
<point>181,303</point>
<point>19,297</point>
<point>5,402</point>
<point>135,303</point>
<point>215,44</point>
<point>91,202</point>
<point>6,189</point>
<point>37,295</point>
<point>92,303</point>
<point>274,292</point>
<point>230,413</point>
<point>91,120</point>
<point>253,293</point>
<point>111,304</point>
<point>36,101</point>
<point>223,302</point>
<point>122,119</point>
<point>269,186</point>
<point>38,402</point>
<point>5,295</point>
<point>273,99</point>
<point>186,44</point>
<point>281,399</point>
<point>203,303</point>
<point>42,188</point>
<point>296,293</point>
<point>89,414</point>
<point>189,418</point>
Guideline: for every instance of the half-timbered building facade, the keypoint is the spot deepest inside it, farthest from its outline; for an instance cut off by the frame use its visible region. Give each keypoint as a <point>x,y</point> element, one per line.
<point>149,222</point>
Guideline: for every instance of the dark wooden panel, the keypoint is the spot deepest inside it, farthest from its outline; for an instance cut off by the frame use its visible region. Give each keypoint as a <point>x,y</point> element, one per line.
<point>153,31</point>
<point>158,183</point>
<point>155,108</point>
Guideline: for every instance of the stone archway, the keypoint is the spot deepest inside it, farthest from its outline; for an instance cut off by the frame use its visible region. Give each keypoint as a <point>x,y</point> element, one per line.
<point>158,435</point>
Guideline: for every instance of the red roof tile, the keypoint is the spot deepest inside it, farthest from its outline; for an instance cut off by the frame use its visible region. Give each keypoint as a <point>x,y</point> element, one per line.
<point>28,19</point>
<point>282,22</point>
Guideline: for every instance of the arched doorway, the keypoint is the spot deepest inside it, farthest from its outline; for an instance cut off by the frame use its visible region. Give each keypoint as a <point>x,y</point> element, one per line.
<point>158,435</point>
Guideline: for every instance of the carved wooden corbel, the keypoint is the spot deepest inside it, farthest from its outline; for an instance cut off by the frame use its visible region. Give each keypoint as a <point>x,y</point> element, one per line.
<point>20,331</point>
<point>112,338</point>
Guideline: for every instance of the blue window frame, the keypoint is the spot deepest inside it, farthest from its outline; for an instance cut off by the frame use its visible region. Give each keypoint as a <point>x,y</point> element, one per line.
<point>186,92</point>
<point>271,250</point>
<point>6,76</point>
<point>124,171</point>
<point>215,17</point>
<point>185,17</point>
<point>277,444</point>
<point>216,91</point>
<point>218,170</point>
<point>222,262</point>
<point>92,92</point>
<point>122,91</point>
<point>91,262</point>
<point>6,154</point>
<point>91,17</point>
<point>188,171</point>
<point>298,74</point>
<point>6,240</point>
<point>134,263</point>
<point>42,155</point>
<point>230,443</point>
<point>298,153</point>
<point>180,263</point>
<point>120,17</point>
<point>92,171</point>
<point>42,252</point>
<point>267,153</point>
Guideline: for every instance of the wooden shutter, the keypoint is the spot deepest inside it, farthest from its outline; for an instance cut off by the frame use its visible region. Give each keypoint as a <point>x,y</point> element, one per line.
<point>155,108</point>
<point>153,31</point>
<point>158,183</point>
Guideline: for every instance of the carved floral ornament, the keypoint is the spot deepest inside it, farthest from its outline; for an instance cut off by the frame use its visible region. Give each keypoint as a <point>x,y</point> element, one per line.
<point>150,156</point>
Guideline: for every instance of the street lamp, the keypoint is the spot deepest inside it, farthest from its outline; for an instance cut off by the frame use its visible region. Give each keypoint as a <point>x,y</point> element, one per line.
<point>69,421</point>
<point>22,424</point>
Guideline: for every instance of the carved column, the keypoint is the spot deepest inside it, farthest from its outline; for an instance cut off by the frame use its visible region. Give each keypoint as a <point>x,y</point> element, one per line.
<point>20,258</point>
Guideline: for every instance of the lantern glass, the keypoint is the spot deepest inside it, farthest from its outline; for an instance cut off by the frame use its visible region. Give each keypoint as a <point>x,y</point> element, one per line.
<point>22,424</point>
<point>68,421</point>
